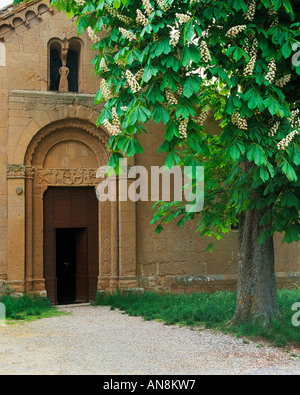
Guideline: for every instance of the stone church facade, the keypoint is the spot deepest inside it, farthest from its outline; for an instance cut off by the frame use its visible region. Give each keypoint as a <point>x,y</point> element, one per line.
<point>55,237</point>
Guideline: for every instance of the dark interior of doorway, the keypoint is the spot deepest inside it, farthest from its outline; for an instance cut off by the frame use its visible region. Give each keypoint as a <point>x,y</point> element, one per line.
<point>66,264</point>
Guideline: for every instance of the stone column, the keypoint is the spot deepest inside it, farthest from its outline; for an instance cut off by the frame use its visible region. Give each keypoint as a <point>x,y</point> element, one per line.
<point>39,284</point>
<point>105,250</point>
<point>114,277</point>
<point>127,246</point>
<point>16,175</point>
<point>29,230</point>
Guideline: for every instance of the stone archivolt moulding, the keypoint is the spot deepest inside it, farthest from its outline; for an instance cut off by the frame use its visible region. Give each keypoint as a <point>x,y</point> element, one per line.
<point>60,177</point>
<point>85,126</point>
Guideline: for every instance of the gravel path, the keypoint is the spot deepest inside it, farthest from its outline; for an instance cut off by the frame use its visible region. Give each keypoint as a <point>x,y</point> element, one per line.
<point>95,340</point>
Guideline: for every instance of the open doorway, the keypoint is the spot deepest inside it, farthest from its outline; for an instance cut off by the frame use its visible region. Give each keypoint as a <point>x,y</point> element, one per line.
<point>66,265</point>
<point>71,265</point>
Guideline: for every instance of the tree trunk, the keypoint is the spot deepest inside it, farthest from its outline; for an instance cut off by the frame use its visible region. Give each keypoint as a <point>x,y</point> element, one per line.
<point>256,290</point>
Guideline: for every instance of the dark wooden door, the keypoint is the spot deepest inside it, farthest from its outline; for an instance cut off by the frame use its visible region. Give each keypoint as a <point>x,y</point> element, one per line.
<point>72,209</point>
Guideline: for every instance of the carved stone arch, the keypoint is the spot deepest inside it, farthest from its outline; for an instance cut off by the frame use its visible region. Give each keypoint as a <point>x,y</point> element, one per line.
<point>57,131</point>
<point>22,15</point>
<point>70,121</point>
<point>16,22</point>
<point>40,177</point>
<point>69,114</point>
<point>29,15</point>
<point>42,8</point>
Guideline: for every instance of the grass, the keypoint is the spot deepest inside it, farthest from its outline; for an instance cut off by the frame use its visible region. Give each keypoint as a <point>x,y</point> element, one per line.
<point>28,307</point>
<point>212,311</point>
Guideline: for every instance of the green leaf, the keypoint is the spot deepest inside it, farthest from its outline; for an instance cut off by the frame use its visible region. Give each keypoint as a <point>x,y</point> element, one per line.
<point>255,100</point>
<point>256,154</point>
<point>172,160</point>
<point>289,171</point>
<point>160,114</point>
<point>272,104</point>
<point>189,31</point>
<point>289,199</point>
<point>171,131</point>
<point>194,53</point>
<point>235,151</point>
<point>238,53</point>
<point>149,72</point>
<point>264,174</point>
<point>191,86</point>
<point>292,234</point>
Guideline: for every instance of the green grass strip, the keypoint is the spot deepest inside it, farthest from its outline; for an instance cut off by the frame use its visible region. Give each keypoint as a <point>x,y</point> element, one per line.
<point>205,309</point>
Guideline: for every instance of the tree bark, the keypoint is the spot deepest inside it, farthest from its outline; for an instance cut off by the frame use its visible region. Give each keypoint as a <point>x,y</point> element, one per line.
<point>256,290</point>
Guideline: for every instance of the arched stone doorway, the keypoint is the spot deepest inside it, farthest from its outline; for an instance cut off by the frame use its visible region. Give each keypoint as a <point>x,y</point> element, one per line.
<point>71,244</point>
<point>63,214</point>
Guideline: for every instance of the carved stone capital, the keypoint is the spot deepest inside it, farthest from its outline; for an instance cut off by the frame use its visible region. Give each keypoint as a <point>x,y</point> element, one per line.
<point>15,171</point>
<point>30,172</point>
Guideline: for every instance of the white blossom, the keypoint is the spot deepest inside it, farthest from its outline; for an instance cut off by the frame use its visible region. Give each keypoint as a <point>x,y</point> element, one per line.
<point>251,11</point>
<point>133,83</point>
<point>148,7</point>
<point>240,122</point>
<point>126,33</point>
<point>274,129</point>
<point>139,74</point>
<point>273,13</point>
<point>162,5</point>
<point>103,66</point>
<point>141,18</point>
<point>106,92</point>
<point>295,119</point>
<point>92,35</point>
<point>203,116</point>
<point>270,76</point>
<point>174,37</point>
<point>246,46</point>
<point>234,31</point>
<point>171,97</point>
<point>80,2</point>
<point>205,54</point>
<point>183,128</point>
<point>253,57</point>
<point>284,143</point>
<point>179,90</point>
<point>183,18</point>
<point>283,81</point>
<point>113,128</point>
<point>113,12</point>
